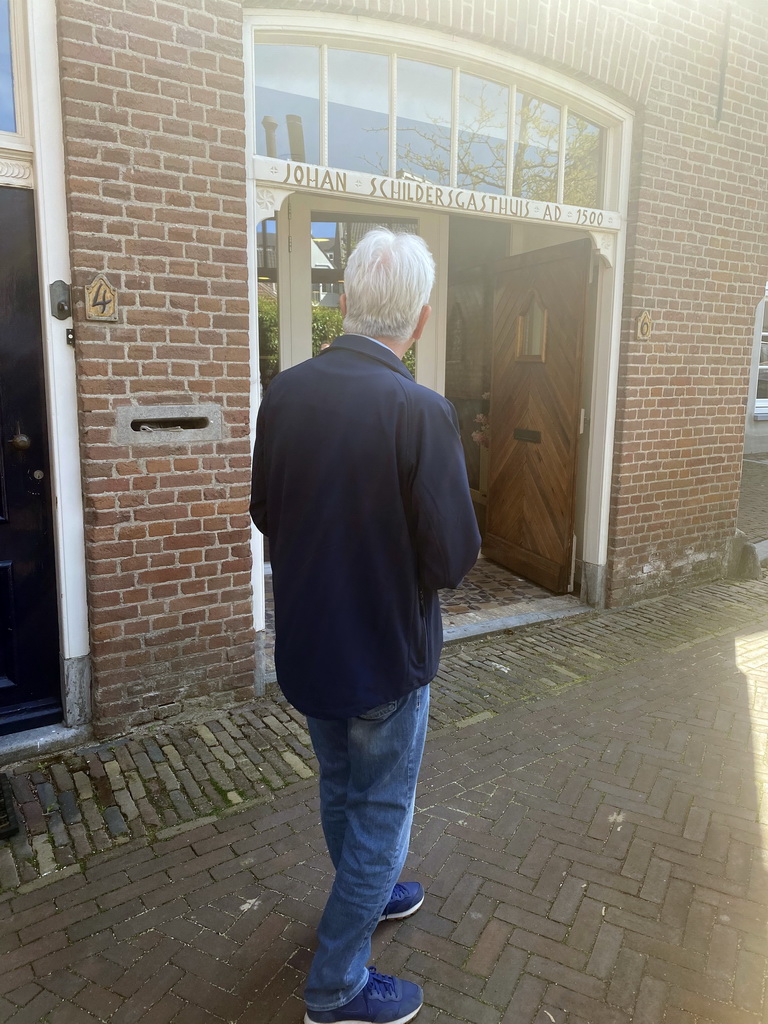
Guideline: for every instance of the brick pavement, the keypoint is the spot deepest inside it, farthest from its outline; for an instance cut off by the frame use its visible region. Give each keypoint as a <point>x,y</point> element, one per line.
<point>591,829</point>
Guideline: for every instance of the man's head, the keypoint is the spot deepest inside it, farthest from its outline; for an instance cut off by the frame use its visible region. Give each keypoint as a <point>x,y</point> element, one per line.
<point>386,286</point>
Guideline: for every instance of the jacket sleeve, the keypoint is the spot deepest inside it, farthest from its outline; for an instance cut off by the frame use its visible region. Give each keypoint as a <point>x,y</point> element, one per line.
<point>258,506</point>
<point>446,536</point>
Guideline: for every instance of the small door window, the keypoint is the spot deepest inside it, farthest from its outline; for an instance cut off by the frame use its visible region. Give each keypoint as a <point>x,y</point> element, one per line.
<point>532,331</point>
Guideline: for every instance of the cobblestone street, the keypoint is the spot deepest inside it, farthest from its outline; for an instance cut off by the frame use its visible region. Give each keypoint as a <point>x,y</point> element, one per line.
<point>591,830</point>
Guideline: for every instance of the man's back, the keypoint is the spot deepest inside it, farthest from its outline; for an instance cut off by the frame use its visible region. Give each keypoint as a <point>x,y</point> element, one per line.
<point>360,484</point>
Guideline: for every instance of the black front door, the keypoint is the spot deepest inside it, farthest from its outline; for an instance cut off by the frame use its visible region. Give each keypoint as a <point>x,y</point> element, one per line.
<point>30,688</point>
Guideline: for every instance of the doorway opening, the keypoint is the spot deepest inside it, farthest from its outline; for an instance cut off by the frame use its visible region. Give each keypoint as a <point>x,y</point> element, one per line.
<point>506,348</point>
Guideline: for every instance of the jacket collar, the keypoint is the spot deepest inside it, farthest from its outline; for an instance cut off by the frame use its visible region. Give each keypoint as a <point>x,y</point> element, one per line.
<point>366,347</point>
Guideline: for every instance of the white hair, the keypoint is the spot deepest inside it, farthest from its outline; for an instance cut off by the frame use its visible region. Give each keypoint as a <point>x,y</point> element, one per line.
<point>387,282</point>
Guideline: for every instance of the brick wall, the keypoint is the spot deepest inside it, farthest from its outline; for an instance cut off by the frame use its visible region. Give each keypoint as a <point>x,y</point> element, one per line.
<point>155,152</point>
<point>698,261</point>
<point>698,247</point>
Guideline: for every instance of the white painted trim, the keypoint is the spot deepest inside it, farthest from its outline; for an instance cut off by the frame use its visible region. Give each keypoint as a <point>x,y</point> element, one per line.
<point>21,138</point>
<point>61,391</point>
<point>606,378</point>
<point>257,541</point>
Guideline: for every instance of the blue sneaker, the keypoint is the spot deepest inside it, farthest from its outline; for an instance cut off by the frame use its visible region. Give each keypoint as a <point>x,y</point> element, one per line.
<point>405,900</point>
<point>384,1000</point>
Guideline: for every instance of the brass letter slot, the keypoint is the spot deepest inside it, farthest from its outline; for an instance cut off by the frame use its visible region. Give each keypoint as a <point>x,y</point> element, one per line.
<point>527,435</point>
<point>176,423</point>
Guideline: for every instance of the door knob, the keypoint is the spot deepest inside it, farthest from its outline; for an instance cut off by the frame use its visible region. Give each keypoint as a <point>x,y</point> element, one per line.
<point>21,442</point>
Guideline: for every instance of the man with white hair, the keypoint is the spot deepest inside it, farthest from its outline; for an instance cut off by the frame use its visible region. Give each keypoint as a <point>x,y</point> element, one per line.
<point>359,482</point>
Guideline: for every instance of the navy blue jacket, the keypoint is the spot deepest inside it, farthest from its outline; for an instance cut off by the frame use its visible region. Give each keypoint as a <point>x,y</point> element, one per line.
<point>359,481</point>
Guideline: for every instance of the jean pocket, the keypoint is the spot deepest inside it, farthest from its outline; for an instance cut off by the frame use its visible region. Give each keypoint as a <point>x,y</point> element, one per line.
<point>380,713</point>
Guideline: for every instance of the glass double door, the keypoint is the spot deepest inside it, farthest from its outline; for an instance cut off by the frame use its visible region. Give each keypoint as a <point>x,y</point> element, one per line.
<point>302,255</point>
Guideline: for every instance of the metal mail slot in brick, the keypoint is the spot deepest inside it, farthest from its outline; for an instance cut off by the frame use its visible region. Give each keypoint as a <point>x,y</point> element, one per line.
<point>168,424</point>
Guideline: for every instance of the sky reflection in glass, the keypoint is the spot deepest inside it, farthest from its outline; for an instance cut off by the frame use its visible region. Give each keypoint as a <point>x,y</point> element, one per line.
<point>423,121</point>
<point>360,119</point>
<point>7,107</point>
<point>358,111</point>
<point>288,97</point>
<point>583,162</point>
<point>537,134</point>
<point>483,129</point>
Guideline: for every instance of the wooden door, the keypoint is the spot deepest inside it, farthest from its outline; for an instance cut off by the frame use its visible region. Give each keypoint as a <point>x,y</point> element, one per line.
<point>538,328</point>
<point>30,688</point>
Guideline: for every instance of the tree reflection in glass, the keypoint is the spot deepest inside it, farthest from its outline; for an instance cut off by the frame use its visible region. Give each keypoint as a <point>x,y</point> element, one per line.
<point>423,121</point>
<point>536,149</point>
<point>583,162</point>
<point>482,136</point>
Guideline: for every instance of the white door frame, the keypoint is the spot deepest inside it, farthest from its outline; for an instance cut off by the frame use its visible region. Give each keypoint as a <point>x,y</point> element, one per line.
<point>294,277</point>
<point>43,90</point>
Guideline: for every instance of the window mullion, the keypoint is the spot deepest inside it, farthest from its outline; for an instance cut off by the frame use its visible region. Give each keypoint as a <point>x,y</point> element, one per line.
<point>561,153</point>
<point>323,106</point>
<point>455,105</point>
<point>511,122</point>
<point>393,116</point>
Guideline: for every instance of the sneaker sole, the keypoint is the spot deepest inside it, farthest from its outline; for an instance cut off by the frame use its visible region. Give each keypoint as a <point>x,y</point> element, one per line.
<point>399,917</point>
<point>357,1020</point>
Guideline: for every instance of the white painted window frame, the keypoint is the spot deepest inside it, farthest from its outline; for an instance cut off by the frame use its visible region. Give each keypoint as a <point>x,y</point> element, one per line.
<point>269,25</point>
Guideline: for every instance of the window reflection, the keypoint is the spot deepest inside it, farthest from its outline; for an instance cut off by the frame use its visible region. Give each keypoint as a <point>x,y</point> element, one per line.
<point>423,121</point>
<point>288,102</point>
<point>358,111</point>
<point>333,239</point>
<point>537,134</point>
<point>482,139</point>
<point>362,111</point>
<point>762,373</point>
<point>7,106</point>
<point>269,329</point>
<point>583,162</point>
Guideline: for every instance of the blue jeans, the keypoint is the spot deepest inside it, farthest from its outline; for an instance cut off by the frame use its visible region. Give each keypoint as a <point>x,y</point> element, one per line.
<point>368,772</point>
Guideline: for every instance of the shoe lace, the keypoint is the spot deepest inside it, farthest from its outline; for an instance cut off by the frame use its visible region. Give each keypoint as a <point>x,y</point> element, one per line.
<point>382,984</point>
<point>399,892</point>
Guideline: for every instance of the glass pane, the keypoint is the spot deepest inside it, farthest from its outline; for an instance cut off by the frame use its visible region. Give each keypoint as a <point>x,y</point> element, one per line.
<point>423,121</point>
<point>333,239</point>
<point>762,373</point>
<point>532,331</point>
<point>269,330</point>
<point>7,110</point>
<point>537,135</point>
<point>358,111</point>
<point>583,162</point>
<point>288,102</point>
<point>483,128</point>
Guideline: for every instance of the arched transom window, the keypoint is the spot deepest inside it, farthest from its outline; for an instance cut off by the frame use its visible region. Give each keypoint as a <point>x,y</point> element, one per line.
<point>396,116</point>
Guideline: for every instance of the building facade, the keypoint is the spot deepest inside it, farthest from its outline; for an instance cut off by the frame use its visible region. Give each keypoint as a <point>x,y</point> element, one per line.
<point>180,185</point>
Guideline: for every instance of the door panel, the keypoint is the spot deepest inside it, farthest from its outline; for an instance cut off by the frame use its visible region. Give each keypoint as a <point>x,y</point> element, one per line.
<point>538,333</point>
<point>30,691</point>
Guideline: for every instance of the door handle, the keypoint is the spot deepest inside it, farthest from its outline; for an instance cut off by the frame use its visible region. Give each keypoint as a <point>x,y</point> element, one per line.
<point>21,442</point>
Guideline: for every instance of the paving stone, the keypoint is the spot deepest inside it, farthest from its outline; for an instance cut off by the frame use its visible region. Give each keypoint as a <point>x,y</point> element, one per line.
<point>589,854</point>
<point>115,821</point>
